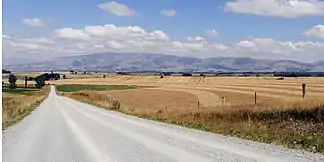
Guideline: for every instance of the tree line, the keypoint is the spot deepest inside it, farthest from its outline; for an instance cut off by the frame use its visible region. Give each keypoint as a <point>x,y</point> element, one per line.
<point>39,80</point>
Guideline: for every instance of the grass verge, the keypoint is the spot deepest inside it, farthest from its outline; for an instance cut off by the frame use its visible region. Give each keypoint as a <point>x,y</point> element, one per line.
<point>18,103</point>
<point>76,88</point>
<point>19,90</point>
<point>297,124</point>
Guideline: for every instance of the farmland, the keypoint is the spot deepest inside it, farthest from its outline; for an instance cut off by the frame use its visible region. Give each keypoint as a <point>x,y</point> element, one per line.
<point>18,103</point>
<point>223,105</point>
<point>236,90</point>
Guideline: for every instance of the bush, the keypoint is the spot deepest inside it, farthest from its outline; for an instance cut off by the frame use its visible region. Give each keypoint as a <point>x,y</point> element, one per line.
<point>30,79</point>
<point>6,71</point>
<point>122,73</point>
<point>186,74</point>
<point>115,104</point>
<point>12,81</point>
<point>40,81</point>
<point>166,73</point>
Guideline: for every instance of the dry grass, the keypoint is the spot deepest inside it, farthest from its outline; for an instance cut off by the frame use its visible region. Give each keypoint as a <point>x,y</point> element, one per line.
<point>290,87</point>
<point>19,103</point>
<point>296,124</point>
<point>139,100</point>
<point>279,117</point>
<point>99,98</point>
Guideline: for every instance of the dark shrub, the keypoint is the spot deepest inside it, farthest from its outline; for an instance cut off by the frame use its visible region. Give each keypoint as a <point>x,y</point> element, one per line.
<point>122,73</point>
<point>30,79</point>
<point>40,81</point>
<point>6,71</point>
<point>12,81</point>
<point>186,74</point>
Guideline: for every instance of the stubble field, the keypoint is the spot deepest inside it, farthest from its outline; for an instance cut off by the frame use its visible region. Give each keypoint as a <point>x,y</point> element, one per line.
<point>280,115</point>
<point>211,90</point>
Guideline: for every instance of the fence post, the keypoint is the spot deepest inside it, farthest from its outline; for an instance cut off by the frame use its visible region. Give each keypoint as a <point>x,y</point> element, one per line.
<point>304,90</point>
<point>198,104</point>
<point>255,97</point>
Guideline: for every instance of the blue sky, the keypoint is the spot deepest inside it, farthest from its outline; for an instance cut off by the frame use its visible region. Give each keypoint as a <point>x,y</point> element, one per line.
<point>233,23</point>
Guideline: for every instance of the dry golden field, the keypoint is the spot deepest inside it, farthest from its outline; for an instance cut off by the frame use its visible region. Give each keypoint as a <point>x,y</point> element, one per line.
<point>210,90</point>
<point>18,103</point>
<point>280,116</point>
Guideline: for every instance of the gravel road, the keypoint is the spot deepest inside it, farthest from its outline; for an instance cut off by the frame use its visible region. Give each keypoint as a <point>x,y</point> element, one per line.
<point>62,129</point>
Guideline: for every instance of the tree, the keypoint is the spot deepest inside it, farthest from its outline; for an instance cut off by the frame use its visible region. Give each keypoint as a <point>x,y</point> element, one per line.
<point>30,79</point>
<point>72,71</point>
<point>12,81</point>
<point>104,76</point>
<point>6,71</point>
<point>57,76</point>
<point>40,81</point>
<point>64,76</point>
<point>186,74</point>
<point>26,79</point>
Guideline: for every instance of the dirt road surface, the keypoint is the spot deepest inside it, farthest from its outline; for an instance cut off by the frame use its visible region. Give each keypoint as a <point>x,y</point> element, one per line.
<point>62,129</point>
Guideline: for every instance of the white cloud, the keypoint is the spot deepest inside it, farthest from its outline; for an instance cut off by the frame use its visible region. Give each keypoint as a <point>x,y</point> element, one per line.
<point>111,38</point>
<point>5,36</point>
<point>112,32</point>
<point>71,34</point>
<point>30,46</point>
<point>169,12</point>
<point>117,8</point>
<point>316,31</point>
<point>246,44</point>
<point>277,8</point>
<point>33,45</point>
<point>212,33</point>
<point>196,39</point>
<point>35,22</point>
<point>270,48</point>
<point>41,40</point>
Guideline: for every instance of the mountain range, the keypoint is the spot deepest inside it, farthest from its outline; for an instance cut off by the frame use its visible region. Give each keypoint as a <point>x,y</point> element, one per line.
<point>138,62</point>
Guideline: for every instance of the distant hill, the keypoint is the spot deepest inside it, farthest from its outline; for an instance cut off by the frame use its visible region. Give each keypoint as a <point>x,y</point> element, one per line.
<point>152,62</point>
